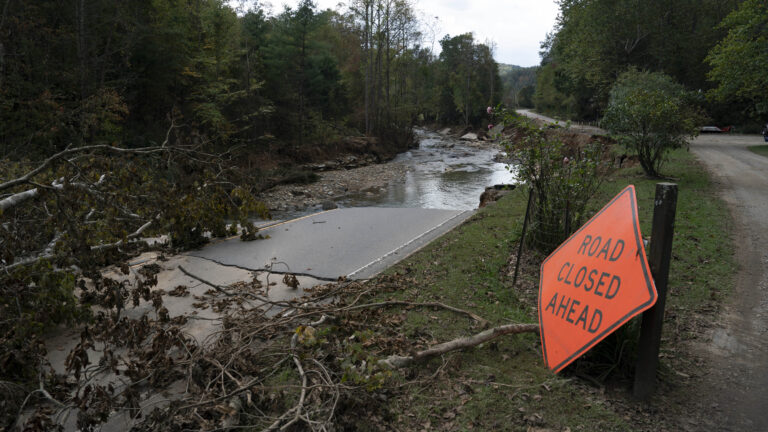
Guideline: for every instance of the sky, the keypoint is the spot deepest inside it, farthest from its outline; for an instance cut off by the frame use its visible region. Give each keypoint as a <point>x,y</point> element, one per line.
<point>516,26</point>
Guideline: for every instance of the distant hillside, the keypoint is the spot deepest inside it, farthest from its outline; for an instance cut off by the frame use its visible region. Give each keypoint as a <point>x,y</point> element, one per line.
<point>519,84</point>
<point>507,68</point>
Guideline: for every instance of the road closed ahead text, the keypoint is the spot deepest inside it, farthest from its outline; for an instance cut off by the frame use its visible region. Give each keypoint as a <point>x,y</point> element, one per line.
<point>589,279</point>
<point>594,282</point>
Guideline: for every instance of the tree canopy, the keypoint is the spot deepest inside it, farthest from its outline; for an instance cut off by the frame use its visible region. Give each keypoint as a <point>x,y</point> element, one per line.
<point>595,41</point>
<point>740,61</point>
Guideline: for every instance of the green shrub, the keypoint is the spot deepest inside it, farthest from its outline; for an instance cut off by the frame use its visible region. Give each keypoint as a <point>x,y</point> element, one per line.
<point>651,114</point>
<point>563,176</point>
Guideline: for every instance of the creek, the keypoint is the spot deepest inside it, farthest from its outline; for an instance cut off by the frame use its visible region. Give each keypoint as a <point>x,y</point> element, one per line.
<point>443,173</point>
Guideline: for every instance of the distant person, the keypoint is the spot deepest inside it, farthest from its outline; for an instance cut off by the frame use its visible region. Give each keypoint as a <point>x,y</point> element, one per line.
<point>765,132</point>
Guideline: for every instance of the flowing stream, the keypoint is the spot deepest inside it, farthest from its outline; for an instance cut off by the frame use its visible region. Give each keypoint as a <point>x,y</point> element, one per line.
<point>443,173</point>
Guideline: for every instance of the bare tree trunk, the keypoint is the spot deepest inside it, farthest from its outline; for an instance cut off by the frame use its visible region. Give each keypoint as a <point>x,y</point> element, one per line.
<point>377,95</point>
<point>491,75</point>
<point>2,63</point>
<point>467,98</point>
<point>2,47</point>
<point>82,48</point>
<point>247,68</point>
<point>387,36</point>
<point>302,85</point>
<point>368,56</point>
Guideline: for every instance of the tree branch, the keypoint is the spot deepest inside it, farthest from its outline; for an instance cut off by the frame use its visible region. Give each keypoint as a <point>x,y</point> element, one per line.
<point>475,317</point>
<point>18,198</point>
<point>46,253</point>
<point>396,362</point>
<point>30,175</point>
<point>133,235</point>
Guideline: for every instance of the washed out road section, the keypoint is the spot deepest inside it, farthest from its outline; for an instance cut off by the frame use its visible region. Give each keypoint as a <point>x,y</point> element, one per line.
<point>356,243</point>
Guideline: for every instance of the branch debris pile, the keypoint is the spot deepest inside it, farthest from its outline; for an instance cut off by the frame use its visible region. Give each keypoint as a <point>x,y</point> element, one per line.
<point>310,363</point>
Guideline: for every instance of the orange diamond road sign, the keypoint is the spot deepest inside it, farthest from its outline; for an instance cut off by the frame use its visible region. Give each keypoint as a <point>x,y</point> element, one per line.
<point>596,281</point>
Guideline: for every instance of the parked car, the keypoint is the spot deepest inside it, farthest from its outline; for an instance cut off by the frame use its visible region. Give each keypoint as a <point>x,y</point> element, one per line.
<point>715,129</point>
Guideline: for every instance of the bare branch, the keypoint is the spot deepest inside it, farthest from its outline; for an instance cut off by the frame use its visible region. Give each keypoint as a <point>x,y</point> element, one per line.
<point>45,164</point>
<point>211,284</point>
<point>46,253</point>
<point>133,235</point>
<point>475,317</point>
<point>395,361</point>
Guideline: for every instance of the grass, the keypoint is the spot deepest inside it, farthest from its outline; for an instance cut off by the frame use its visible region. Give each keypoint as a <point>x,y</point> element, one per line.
<point>762,150</point>
<point>504,385</point>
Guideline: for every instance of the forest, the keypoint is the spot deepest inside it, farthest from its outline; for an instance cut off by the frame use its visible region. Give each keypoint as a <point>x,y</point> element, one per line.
<point>78,72</point>
<point>715,49</point>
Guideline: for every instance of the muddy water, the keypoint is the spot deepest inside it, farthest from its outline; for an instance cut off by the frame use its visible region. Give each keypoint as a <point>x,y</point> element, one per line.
<point>443,173</point>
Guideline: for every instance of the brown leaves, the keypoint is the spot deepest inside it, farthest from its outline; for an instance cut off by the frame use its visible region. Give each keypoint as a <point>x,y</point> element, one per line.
<point>179,291</point>
<point>291,281</point>
<point>78,359</point>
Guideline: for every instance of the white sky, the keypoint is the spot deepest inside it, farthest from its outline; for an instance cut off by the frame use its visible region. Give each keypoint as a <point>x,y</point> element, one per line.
<point>516,26</point>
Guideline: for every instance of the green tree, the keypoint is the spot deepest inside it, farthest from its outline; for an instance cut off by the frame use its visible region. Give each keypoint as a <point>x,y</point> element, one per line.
<point>303,78</point>
<point>595,41</point>
<point>651,114</point>
<point>465,67</point>
<point>525,96</point>
<point>740,61</point>
<point>548,97</point>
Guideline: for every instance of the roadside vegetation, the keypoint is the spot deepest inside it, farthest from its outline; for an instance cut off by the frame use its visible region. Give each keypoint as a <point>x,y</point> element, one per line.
<point>761,150</point>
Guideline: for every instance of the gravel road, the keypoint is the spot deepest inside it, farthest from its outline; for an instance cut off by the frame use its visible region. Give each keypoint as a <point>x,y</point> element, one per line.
<point>736,389</point>
<point>575,126</point>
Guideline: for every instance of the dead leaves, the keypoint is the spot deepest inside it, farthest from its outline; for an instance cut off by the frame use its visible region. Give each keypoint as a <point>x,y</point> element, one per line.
<point>179,291</point>
<point>291,281</point>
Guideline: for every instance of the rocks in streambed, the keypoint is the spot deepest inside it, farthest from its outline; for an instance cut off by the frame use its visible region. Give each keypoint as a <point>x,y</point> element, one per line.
<point>346,162</point>
<point>494,193</point>
<point>471,136</point>
<point>503,157</point>
<point>333,185</point>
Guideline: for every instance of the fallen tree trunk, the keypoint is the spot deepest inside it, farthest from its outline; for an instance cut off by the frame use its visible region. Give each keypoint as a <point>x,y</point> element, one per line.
<point>396,362</point>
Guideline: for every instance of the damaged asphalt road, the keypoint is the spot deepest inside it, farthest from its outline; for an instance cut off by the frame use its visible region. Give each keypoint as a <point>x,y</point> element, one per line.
<point>355,243</point>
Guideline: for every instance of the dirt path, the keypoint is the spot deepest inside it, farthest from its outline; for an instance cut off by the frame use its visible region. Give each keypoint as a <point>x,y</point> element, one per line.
<point>735,392</point>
